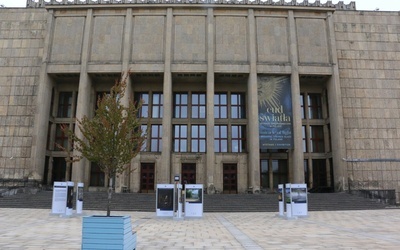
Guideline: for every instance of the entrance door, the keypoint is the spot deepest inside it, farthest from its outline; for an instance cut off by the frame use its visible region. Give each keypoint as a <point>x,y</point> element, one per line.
<point>230,178</point>
<point>188,173</point>
<point>59,169</point>
<point>147,178</point>
<point>320,175</point>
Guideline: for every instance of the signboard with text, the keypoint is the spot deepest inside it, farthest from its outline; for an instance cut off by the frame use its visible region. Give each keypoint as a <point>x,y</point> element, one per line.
<point>275,112</point>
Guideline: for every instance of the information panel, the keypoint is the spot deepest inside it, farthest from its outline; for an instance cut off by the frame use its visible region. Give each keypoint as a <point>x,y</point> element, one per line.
<point>165,200</point>
<point>275,112</point>
<point>299,199</point>
<point>194,200</point>
<point>60,192</point>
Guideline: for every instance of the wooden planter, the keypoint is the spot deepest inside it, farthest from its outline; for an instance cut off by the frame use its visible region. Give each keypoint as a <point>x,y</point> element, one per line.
<point>111,233</point>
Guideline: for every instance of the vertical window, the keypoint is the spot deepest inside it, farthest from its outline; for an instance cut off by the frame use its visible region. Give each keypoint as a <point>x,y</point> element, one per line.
<point>221,105</point>
<point>144,146</point>
<point>97,177</point>
<point>280,172</point>
<point>144,110</point>
<point>238,138</point>
<point>158,101</point>
<point>198,141</point>
<point>64,105</point>
<point>198,105</point>
<point>221,138</point>
<point>314,106</point>
<point>317,139</point>
<point>156,138</point>
<point>180,138</point>
<point>61,138</point>
<point>303,131</point>
<point>238,110</point>
<point>302,109</point>
<point>180,105</point>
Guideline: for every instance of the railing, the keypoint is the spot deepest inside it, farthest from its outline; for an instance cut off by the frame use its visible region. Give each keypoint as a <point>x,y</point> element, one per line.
<point>340,5</point>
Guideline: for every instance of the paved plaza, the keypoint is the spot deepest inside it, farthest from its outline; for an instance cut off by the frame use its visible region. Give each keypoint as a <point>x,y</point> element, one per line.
<point>37,229</point>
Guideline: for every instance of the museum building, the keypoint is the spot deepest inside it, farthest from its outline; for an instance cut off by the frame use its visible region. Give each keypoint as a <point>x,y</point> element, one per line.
<point>239,95</point>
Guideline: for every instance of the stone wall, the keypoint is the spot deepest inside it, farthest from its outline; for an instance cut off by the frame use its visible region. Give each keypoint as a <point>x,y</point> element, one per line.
<point>22,34</point>
<point>369,64</point>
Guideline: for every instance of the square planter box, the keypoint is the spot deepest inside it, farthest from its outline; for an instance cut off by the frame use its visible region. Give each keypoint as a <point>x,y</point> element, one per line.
<point>113,232</point>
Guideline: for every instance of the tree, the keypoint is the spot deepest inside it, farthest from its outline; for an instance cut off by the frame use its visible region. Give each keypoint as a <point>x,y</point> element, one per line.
<point>111,138</point>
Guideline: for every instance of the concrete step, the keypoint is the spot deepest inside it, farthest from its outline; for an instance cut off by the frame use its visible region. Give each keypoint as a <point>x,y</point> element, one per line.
<point>212,203</point>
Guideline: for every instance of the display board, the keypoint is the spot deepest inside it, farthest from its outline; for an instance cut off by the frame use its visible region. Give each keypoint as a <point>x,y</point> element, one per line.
<point>194,200</point>
<point>288,200</point>
<point>79,198</point>
<point>275,112</point>
<point>59,202</point>
<point>281,198</point>
<point>165,200</point>
<point>299,199</point>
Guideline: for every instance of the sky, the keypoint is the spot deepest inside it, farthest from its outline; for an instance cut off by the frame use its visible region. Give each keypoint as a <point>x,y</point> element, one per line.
<point>382,5</point>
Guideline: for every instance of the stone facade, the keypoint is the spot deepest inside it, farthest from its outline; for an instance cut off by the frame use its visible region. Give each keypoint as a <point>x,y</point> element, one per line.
<point>346,59</point>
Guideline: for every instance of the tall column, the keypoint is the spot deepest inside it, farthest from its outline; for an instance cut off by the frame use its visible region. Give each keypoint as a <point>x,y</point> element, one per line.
<point>167,116</point>
<point>296,167</point>
<point>210,168</point>
<point>43,108</point>
<point>123,179</point>
<point>253,134</point>
<point>81,169</point>
<point>336,112</point>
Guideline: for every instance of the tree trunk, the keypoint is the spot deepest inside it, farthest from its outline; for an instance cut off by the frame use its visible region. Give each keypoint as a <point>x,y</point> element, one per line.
<point>110,189</point>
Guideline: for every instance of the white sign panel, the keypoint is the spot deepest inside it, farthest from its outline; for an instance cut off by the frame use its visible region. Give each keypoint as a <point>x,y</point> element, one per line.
<point>194,200</point>
<point>165,200</point>
<point>299,199</point>
<point>60,191</point>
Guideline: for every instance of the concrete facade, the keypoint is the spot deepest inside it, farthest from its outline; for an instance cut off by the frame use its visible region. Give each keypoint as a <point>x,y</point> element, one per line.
<point>347,58</point>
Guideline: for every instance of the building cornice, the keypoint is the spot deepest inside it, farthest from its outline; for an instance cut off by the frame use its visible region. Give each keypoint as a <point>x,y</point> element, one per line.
<point>107,3</point>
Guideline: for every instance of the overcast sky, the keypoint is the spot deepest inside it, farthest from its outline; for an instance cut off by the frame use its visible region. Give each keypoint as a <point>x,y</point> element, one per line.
<point>392,5</point>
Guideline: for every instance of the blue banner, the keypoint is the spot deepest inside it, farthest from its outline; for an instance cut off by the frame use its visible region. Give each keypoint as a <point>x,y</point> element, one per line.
<point>275,112</point>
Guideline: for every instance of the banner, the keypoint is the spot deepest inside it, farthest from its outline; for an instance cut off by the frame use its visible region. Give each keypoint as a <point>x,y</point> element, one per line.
<point>275,112</point>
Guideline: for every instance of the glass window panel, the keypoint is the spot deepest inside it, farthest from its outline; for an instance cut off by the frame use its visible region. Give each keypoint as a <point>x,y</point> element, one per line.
<point>235,146</point>
<point>156,98</point>
<point>202,99</point>
<point>184,131</point>
<point>302,106</point>
<point>202,112</point>
<point>216,132</point>
<point>184,112</point>
<point>195,112</point>
<point>304,139</point>
<point>195,131</point>
<point>224,112</point>
<point>184,99</point>
<point>216,99</point>
<point>224,131</point>
<point>202,146</point>
<point>224,145</point>
<point>195,99</point>
<point>315,106</point>
<point>183,145</point>
<point>195,145</point>
<point>216,112</point>
<point>216,146</point>
<point>64,104</point>
<point>202,131</point>
<point>235,112</point>
<point>155,112</point>
<point>145,111</point>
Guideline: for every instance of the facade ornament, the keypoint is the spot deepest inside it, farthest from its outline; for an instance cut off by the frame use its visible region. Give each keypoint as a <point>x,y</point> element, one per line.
<point>339,6</point>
